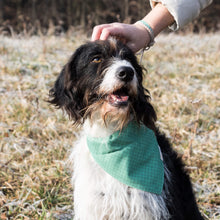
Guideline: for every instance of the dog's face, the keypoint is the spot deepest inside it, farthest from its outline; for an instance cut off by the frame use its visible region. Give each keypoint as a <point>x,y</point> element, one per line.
<point>103,79</point>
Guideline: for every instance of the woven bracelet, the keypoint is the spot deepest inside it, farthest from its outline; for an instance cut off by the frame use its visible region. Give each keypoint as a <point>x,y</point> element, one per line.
<point>150,32</point>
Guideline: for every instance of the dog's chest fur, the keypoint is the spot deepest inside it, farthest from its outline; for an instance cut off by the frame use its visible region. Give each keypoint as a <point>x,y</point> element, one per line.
<point>98,196</point>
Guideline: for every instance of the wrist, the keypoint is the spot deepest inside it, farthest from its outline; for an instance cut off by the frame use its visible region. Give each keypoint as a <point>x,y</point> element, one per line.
<point>150,40</point>
<point>142,36</point>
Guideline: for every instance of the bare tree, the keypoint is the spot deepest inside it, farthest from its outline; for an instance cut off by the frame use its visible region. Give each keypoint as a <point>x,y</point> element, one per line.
<point>1,10</point>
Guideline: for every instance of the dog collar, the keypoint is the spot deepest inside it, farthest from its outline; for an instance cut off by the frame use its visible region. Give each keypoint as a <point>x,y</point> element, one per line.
<point>132,156</point>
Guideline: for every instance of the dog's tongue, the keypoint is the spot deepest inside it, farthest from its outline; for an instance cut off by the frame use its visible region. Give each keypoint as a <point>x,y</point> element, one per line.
<point>118,99</point>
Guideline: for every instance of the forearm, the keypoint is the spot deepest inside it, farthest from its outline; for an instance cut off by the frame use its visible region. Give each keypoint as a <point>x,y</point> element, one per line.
<point>159,18</point>
<point>152,24</point>
<point>183,11</point>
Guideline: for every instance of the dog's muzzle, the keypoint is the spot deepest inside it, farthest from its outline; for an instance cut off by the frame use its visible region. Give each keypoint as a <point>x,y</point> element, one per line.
<point>119,84</point>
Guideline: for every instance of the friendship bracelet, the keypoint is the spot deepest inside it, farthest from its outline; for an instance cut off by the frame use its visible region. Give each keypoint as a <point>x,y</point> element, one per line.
<point>150,32</point>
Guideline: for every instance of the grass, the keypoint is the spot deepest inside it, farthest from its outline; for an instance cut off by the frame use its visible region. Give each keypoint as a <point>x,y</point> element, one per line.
<point>35,139</point>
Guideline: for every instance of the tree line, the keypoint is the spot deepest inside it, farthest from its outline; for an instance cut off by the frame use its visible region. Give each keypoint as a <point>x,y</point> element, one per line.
<point>57,16</point>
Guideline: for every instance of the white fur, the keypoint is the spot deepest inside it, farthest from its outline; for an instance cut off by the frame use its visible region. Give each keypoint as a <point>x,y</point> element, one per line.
<point>110,80</point>
<point>98,196</point>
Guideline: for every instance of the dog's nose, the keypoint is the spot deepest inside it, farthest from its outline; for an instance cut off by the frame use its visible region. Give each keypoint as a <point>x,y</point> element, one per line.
<point>125,73</point>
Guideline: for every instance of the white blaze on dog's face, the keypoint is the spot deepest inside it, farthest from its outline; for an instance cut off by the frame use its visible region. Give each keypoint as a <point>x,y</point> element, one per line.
<point>119,82</point>
<point>120,85</point>
<point>103,80</point>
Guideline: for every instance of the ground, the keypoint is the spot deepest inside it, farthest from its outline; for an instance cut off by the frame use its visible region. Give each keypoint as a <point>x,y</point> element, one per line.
<point>183,76</point>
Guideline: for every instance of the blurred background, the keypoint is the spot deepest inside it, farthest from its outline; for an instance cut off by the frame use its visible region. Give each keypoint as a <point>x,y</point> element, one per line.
<point>36,39</point>
<point>32,17</point>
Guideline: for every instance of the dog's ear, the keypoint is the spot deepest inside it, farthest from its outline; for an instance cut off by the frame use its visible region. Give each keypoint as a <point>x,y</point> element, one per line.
<point>64,93</point>
<point>143,108</point>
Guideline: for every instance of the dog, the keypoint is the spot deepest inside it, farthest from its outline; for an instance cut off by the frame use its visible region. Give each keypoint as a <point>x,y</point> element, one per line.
<point>101,90</point>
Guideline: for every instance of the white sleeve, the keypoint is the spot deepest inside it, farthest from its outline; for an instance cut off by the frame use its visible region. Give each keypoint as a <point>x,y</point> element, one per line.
<point>183,11</point>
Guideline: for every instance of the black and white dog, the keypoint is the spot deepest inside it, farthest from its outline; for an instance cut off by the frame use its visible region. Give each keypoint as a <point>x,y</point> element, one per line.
<point>101,89</point>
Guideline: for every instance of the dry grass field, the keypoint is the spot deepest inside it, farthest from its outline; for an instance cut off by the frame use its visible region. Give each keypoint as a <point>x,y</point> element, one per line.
<point>183,76</point>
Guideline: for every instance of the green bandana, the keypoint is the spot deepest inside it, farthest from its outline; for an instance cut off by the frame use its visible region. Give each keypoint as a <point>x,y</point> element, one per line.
<point>131,156</point>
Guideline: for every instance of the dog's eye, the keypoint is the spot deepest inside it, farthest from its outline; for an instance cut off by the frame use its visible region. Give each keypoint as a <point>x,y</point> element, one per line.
<point>97,60</point>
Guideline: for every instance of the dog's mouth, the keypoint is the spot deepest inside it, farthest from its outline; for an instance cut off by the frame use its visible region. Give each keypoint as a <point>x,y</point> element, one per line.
<point>119,98</point>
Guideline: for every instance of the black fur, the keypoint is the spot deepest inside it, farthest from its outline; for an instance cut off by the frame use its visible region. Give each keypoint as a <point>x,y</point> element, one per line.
<point>75,90</point>
<point>182,204</point>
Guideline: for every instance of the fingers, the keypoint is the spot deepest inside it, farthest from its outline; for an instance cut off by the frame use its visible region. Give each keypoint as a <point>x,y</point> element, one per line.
<point>106,32</point>
<point>97,32</point>
<point>102,32</point>
<point>132,35</point>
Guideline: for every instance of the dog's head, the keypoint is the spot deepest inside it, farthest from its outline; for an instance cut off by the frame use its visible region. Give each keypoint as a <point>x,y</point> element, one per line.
<point>103,80</point>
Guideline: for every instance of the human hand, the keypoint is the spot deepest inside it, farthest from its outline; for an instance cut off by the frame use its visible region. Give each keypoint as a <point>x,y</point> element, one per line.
<point>134,36</point>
